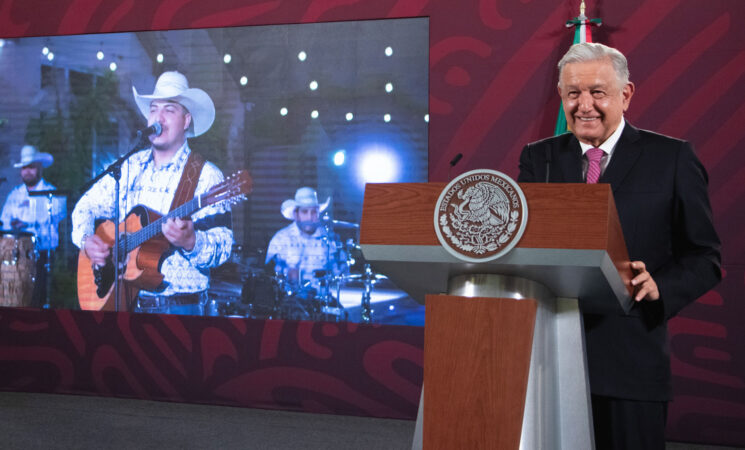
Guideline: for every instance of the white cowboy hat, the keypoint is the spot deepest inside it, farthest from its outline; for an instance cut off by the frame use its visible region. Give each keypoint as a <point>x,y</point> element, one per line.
<point>305,197</point>
<point>174,86</point>
<point>29,154</point>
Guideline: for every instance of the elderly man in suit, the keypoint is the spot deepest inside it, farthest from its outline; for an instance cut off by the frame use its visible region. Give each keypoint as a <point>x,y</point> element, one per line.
<point>660,190</point>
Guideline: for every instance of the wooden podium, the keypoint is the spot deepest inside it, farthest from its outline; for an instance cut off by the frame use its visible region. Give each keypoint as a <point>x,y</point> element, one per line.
<point>506,373</point>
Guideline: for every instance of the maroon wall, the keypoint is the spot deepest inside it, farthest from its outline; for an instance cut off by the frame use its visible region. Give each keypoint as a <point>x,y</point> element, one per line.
<point>492,89</point>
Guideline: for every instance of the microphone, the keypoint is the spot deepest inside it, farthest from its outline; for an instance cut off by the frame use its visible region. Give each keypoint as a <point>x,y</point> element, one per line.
<point>548,162</point>
<point>455,159</point>
<point>154,129</point>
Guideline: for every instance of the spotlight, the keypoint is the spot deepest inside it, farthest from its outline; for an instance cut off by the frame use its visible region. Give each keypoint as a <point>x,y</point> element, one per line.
<point>388,51</point>
<point>314,114</point>
<point>283,111</point>
<point>2,43</point>
<point>302,55</point>
<point>227,58</point>
<point>426,118</point>
<point>159,58</point>
<point>349,116</point>
<point>378,164</point>
<point>389,87</point>
<point>112,66</point>
<point>99,55</point>
<point>313,85</point>
<point>339,157</point>
<point>387,118</point>
<point>50,56</point>
<point>45,50</point>
<point>244,80</point>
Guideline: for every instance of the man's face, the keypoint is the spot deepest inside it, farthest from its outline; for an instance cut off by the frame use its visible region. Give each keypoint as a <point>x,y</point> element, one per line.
<point>307,219</point>
<point>174,119</point>
<point>593,99</point>
<point>31,174</point>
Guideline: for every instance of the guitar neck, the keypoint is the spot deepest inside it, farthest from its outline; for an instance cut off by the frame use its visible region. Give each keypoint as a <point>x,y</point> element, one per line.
<point>136,239</point>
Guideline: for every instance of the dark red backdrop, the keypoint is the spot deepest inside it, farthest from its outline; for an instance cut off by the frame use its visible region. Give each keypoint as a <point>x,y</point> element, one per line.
<point>492,81</point>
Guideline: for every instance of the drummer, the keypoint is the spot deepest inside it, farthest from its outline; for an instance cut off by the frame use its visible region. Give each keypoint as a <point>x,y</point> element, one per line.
<point>303,251</point>
<point>24,213</point>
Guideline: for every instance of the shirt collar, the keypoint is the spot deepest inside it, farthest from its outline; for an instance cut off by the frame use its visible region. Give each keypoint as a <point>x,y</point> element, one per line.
<point>609,143</point>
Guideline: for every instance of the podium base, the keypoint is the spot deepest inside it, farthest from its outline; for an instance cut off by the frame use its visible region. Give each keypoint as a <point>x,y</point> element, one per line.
<point>557,407</point>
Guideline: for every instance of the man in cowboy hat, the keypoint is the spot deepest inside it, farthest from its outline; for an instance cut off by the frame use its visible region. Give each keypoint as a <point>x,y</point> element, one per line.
<point>23,212</point>
<point>302,247</point>
<point>150,178</point>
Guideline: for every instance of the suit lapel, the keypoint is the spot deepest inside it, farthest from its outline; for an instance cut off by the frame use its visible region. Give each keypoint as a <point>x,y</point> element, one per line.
<point>569,162</point>
<point>625,154</point>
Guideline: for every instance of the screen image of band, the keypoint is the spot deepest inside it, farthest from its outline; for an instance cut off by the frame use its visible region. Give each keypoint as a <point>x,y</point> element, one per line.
<point>241,155</point>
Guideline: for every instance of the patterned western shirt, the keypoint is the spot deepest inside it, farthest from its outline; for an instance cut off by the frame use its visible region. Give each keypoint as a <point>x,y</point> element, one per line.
<point>297,250</point>
<point>144,184</point>
<point>34,211</point>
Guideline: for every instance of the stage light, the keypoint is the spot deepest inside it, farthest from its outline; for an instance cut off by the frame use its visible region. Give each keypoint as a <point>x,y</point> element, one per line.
<point>2,43</point>
<point>313,85</point>
<point>389,87</point>
<point>426,118</point>
<point>302,55</point>
<point>387,118</point>
<point>112,66</point>
<point>378,164</point>
<point>45,51</point>
<point>99,55</point>
<point>340,157</point>
<point>388,51</point>
<point>349,116</point>
<point>314,114</point>
<point>283,111</point>
<point>391,307</point>
<point>159,58</point>
<point>227,58</point>
<point>244,80</point>
<point>50,56</point>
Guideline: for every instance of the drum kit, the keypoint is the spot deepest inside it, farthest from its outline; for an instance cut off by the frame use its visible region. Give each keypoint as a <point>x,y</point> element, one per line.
<point>245,287</point>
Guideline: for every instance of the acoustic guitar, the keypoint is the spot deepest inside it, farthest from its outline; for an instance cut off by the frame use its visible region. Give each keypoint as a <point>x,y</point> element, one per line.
<point>141,248</point>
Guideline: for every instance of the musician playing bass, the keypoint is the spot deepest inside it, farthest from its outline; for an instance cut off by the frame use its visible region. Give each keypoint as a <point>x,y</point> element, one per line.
<point>152,178</point>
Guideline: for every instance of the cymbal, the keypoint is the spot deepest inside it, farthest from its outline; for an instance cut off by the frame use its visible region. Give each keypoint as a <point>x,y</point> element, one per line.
<point>361,276</point>
<point>340,223</point>
<point>53,192</point>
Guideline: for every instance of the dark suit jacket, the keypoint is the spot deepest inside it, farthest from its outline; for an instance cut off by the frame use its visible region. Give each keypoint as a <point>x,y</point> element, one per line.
<point>660,190</point>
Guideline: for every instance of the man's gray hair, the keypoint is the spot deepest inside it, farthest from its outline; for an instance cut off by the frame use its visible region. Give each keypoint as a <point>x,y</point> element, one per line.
<point>592,51</point>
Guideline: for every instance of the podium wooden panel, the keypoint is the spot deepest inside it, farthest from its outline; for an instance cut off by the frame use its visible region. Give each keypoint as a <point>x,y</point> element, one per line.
<point>487,347</point>
<point>501,372</point>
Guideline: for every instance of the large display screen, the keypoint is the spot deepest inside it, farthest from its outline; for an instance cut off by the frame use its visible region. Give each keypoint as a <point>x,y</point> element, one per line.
<point>311,111</point>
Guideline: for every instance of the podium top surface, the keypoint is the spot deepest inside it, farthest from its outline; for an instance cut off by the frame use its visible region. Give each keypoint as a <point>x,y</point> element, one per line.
<point>573,242</point>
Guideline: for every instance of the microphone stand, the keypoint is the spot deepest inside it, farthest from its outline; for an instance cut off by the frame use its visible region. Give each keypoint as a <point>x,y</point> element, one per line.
<point>115,170</point>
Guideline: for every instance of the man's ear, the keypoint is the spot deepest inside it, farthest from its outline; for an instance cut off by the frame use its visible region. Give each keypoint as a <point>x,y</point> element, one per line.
<point>627,92</point>
<point>187,121</point>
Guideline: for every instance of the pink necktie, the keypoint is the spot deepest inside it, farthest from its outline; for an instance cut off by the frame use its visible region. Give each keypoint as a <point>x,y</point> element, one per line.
<point>593,168</point>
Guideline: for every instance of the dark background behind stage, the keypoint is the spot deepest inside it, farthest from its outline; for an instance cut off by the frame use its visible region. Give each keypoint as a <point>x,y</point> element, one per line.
<point>492,88</point>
